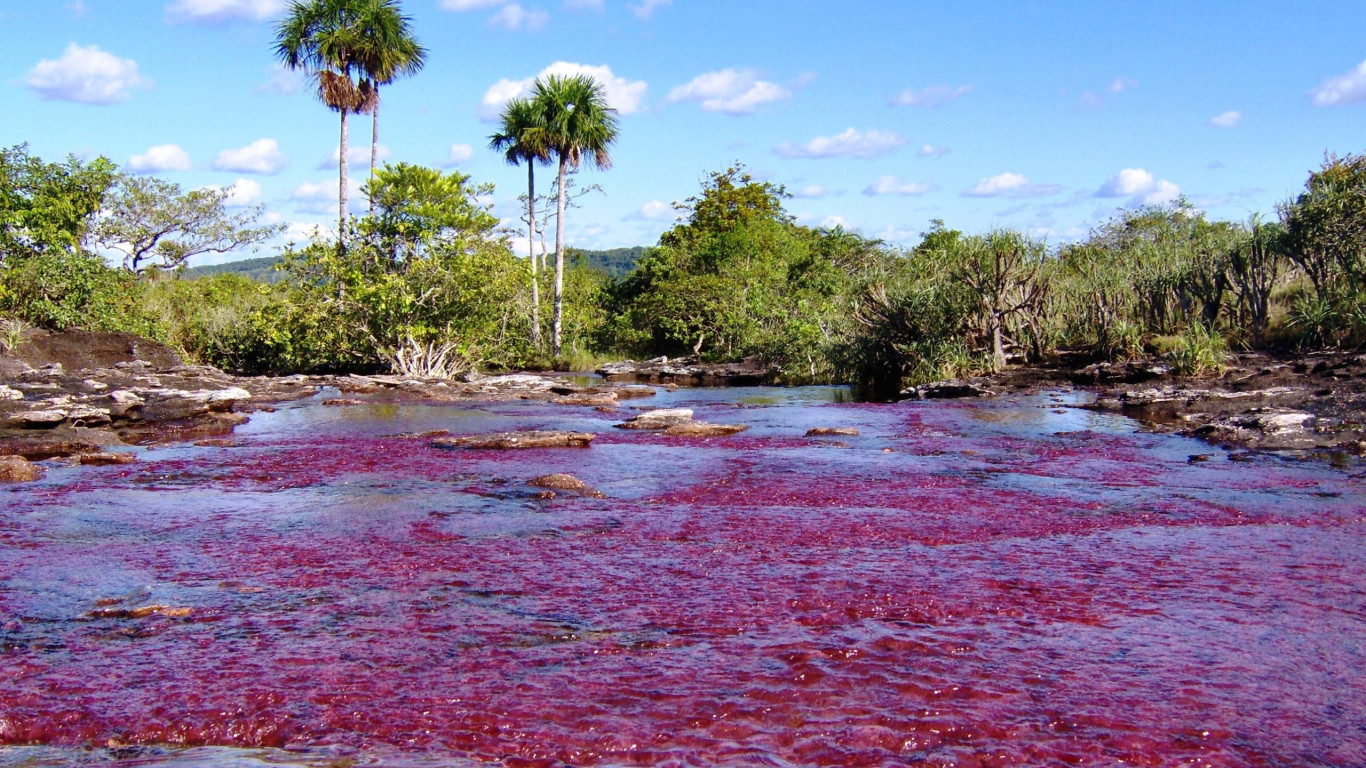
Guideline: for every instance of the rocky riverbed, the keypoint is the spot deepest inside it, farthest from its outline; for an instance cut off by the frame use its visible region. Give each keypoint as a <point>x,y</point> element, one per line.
<point>85,397</point>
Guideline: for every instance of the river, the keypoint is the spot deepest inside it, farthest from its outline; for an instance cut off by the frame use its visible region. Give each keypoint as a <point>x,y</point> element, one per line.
<point>1017,582</point>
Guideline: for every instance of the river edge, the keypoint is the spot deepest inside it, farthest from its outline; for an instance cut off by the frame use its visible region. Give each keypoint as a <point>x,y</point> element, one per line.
<point>81,397</point>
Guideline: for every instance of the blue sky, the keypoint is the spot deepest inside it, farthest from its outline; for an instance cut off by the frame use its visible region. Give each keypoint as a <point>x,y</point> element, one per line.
<point>877,115</point>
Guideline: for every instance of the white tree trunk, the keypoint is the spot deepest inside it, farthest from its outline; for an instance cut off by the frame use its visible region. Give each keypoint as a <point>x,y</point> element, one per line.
<point>531,253</point>
<point>374,145</point>
<point>341,188</point>
<point>559,258</point>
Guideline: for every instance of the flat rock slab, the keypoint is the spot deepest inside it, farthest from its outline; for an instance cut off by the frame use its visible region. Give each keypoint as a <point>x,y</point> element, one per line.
<point>565,482</point>
<point>586,398</point>
<point>506,441</point>
<point>107,459</point>
<point>660,419</point>
<point>704,429</point>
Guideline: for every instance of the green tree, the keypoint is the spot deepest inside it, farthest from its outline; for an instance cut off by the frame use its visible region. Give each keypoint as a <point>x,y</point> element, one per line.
<point>48,207</point>
<point>156,225</point>
<point>522,138</point>
<point>388,51</point>
<point>1326,227</point>
<point>326,39</point>
<point>578,123</point>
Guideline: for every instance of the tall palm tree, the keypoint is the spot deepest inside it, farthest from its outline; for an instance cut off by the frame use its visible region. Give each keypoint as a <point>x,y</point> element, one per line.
<point>578,122</point>
<point>323,38</point>
<point>522,137</point>
<point>388,51</point>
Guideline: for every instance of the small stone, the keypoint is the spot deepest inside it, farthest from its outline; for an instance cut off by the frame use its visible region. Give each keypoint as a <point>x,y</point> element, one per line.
<point>586,398</point>
<point>17,469</point>
<point>8,393</point>
<point>832,431</point>
<point>343,401</point>
<point>565,482</point>
<point>1198,458</point>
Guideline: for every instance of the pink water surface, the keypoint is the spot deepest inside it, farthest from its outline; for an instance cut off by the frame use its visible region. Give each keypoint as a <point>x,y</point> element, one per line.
<point>967,585</point>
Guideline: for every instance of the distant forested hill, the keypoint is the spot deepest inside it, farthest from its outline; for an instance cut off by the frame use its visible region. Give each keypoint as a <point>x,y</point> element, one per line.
<point>261,269</point>
<point>615,263</point>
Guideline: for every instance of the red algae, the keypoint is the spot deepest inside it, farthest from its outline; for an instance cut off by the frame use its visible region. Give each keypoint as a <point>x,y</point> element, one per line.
<point>969,585</point>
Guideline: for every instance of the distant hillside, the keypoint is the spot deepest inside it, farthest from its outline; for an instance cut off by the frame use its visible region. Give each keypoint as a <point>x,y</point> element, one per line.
<point>614,263</point>
<point>261,269</point>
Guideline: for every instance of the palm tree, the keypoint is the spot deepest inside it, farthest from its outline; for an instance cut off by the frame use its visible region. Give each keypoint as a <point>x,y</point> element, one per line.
<point>323,38</point>
<point>388,51</point>
<point>522,137</point>
<point>578,122</point>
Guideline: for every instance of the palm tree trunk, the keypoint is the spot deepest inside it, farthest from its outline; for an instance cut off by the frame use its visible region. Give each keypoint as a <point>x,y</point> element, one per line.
<point>559,256</point>
<point>374,144</point>
<point>531,253</point>
<point>341,185</point>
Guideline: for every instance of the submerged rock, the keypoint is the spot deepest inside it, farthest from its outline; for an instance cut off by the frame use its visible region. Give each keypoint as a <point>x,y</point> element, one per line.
<point>106,459</point>
<point>586,398</point>
<point>503,441</point>
<point>17,469</point>
<point>565,482</point>
<point>832,431</point>
<point>704,429</point>
<point>687,371</point>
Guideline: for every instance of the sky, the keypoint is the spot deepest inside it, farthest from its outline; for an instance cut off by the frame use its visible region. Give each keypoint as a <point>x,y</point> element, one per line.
<point>876,116</point>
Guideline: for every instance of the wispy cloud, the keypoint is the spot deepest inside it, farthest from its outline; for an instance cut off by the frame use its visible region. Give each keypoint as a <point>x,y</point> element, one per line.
<point>1349,88</point>
<point>1141,187</point>
<point>356,156</point>
<point>930,96</point>
<point>850,143</point>
<point>459,156</point>
<point>730,91</point>
<point>1228,119</point>
<point>646,8</point>
<point>930,150</point>
<point>514,17</point>
<point>1011,185</point>
<point>220,11</point>
<point>891,185</point>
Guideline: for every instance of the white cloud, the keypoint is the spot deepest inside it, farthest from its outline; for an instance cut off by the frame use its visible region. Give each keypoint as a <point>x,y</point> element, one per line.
<point>77,8</point>
<point>622,95</point>
<point>1343,89</point>
<point>283,80</point>
<point>357,156</point>
<point>930,150</point>
<point>1010,185</point>
<point>930,96</point>
<point>514,17</point>
<point>578,5</point>
<point>1121,84</point>
<point>218,11</point>
<point>321,197</point>
<point>261,156</point>
<point>469,5</point>
<point>460,154</point>
<point>646,8</point>
<point>1141,187</point>
<point>166,157</point>
<point>1227,119</point>
<point>655,211</point>
<point>811,192</point>
<point>85,75</point>
<point>891,185</point>
<point>241,194</point>
<point>851,143</point>
<point>732,91</point>
<point>830,222</point>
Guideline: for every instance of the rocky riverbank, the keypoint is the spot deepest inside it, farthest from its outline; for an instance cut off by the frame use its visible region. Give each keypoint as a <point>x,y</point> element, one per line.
<point>1310,404</point>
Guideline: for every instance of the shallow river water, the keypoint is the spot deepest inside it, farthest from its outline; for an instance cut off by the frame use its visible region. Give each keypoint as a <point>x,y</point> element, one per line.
<point>1012,583</point>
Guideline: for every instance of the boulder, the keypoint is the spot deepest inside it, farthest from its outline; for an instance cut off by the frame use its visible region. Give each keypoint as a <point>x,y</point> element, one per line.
<point>658,419</point>
<point>44,419</point>
<point>7,393</point>
<point>17,469</point>
<point>503,441</point>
